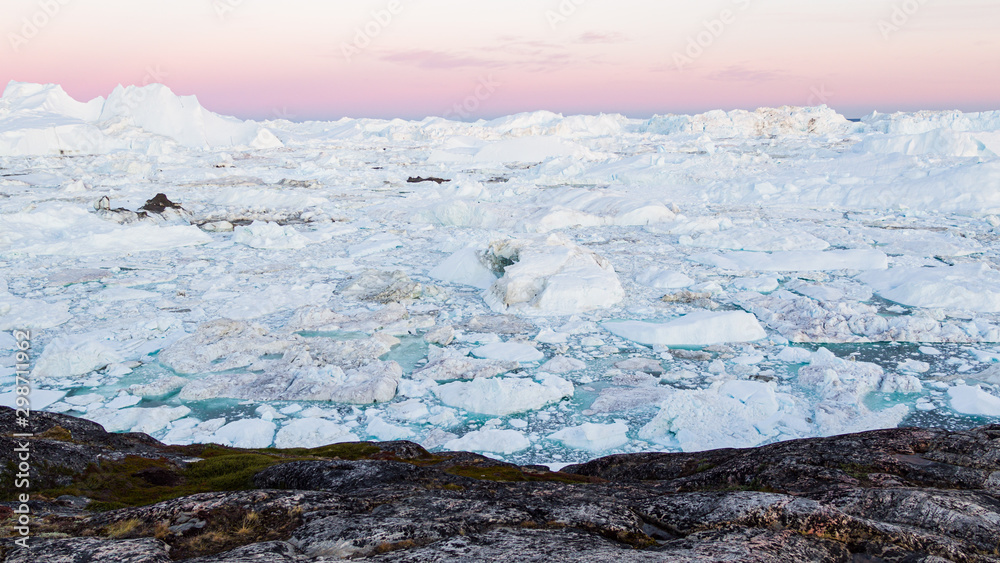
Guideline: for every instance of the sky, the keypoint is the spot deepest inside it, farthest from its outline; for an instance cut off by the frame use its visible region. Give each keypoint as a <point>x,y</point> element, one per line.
<point>467,59</point>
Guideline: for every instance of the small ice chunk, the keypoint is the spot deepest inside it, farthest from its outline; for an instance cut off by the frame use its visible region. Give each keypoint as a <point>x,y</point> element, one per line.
<point>548,336</point>
<point>647,365</point>
<point>72,355</point>
<point>509,351</point>
<point>267,235</point>
<point>121,401</point>
<point>915,366</point>
<point>593,437</point>
<point>969,287</point>
<point>929,350</point>
<point>267,412</point>
<point>760,284</point>
<point>246,433</point>
<point>312,433</point>
<point>373,245</point>
<point>137,419</point>
<point>384,431</point>
<point>490,440</point>
<point>551,276</point>
<point>562,364</point>
<point>40,398</point>
<point>84,400</point>
<point>696,329</point>
<point>412,409</point>
<point>465,267</point>
<point>441,335</point>
<point>161,386</point>
<point>664,279</point>
<point>504,396</point>
<point>968,399</point>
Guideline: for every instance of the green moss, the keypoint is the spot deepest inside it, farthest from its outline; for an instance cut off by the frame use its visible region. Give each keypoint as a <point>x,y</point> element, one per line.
<point>350,451</point>
<point>704,466</point>
<point>858,471</point>
<point>57,433</point>
<point>228,472</point>
<point>121,483</point>
<point>495,473</point>
<point>138,481</point>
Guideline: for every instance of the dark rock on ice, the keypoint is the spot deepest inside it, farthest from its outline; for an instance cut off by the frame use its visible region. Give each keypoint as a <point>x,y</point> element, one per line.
<point>418,179</point>
<point>159,204</point>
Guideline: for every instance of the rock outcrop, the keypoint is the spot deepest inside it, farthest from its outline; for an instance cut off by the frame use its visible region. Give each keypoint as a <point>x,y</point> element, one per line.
<point>913,495</point>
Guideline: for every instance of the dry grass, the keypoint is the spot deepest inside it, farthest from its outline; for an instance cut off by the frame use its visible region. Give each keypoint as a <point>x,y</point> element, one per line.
<point>162,530</point>
<point>249,524</point>
<point>122,528</point>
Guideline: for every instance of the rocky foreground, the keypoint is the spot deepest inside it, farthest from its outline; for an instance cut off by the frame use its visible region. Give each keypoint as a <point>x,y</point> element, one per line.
<point>892,495</point>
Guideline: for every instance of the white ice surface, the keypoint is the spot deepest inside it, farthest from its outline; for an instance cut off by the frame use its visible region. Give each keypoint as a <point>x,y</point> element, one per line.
<point>308,285</point>
<point>490,440</point>
<point>593,437</point>
<point>504,396</point>
<point>695,329</point>
<point>968,399</point>
<point>971,287</point>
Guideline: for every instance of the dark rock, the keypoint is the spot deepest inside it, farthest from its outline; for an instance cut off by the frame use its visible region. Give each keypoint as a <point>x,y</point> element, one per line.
<point>90,550</point>
<point>159,209</point>
<point>418,179</point>
<point>341,476</point>
<point>72,501</point>
<point>187,526</point>
<point>159,204</point>
<point>901,495</point>
<point>263,552</point>
<point>64,445</point>
<point>917,457</point>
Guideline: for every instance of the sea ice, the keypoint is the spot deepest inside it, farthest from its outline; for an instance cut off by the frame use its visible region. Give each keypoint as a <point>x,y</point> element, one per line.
<point>509,352</point>
<point>968,399</point>
<point>695,329</point>
<point>465,267</point>
<point>504,396</point>
<point>490,440</point>
<point>312,433</point>
<point>733,414</point>
<point>797,260</point>
<point>265,235</point>
<point>246,433</point>
<point>970,287</point>
<point>551,276</point>
<point>74,355</point>
<point>593,437</point>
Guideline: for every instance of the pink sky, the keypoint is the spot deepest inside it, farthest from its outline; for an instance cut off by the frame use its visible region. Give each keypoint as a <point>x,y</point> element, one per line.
<point>260,59</point>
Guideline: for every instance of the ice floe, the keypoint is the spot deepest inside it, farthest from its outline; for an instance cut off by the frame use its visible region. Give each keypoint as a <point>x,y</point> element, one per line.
<point>695,329</point>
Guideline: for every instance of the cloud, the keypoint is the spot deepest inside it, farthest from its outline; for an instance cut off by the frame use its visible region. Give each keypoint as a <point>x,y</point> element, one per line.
<point>591,37</point>
<point>523,54</point>
<point>440,60</point>
<point>740,73</point>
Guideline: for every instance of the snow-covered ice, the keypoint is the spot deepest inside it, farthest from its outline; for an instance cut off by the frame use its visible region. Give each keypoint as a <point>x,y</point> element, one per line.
<point>573,285</point>
<point>694,329</point>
